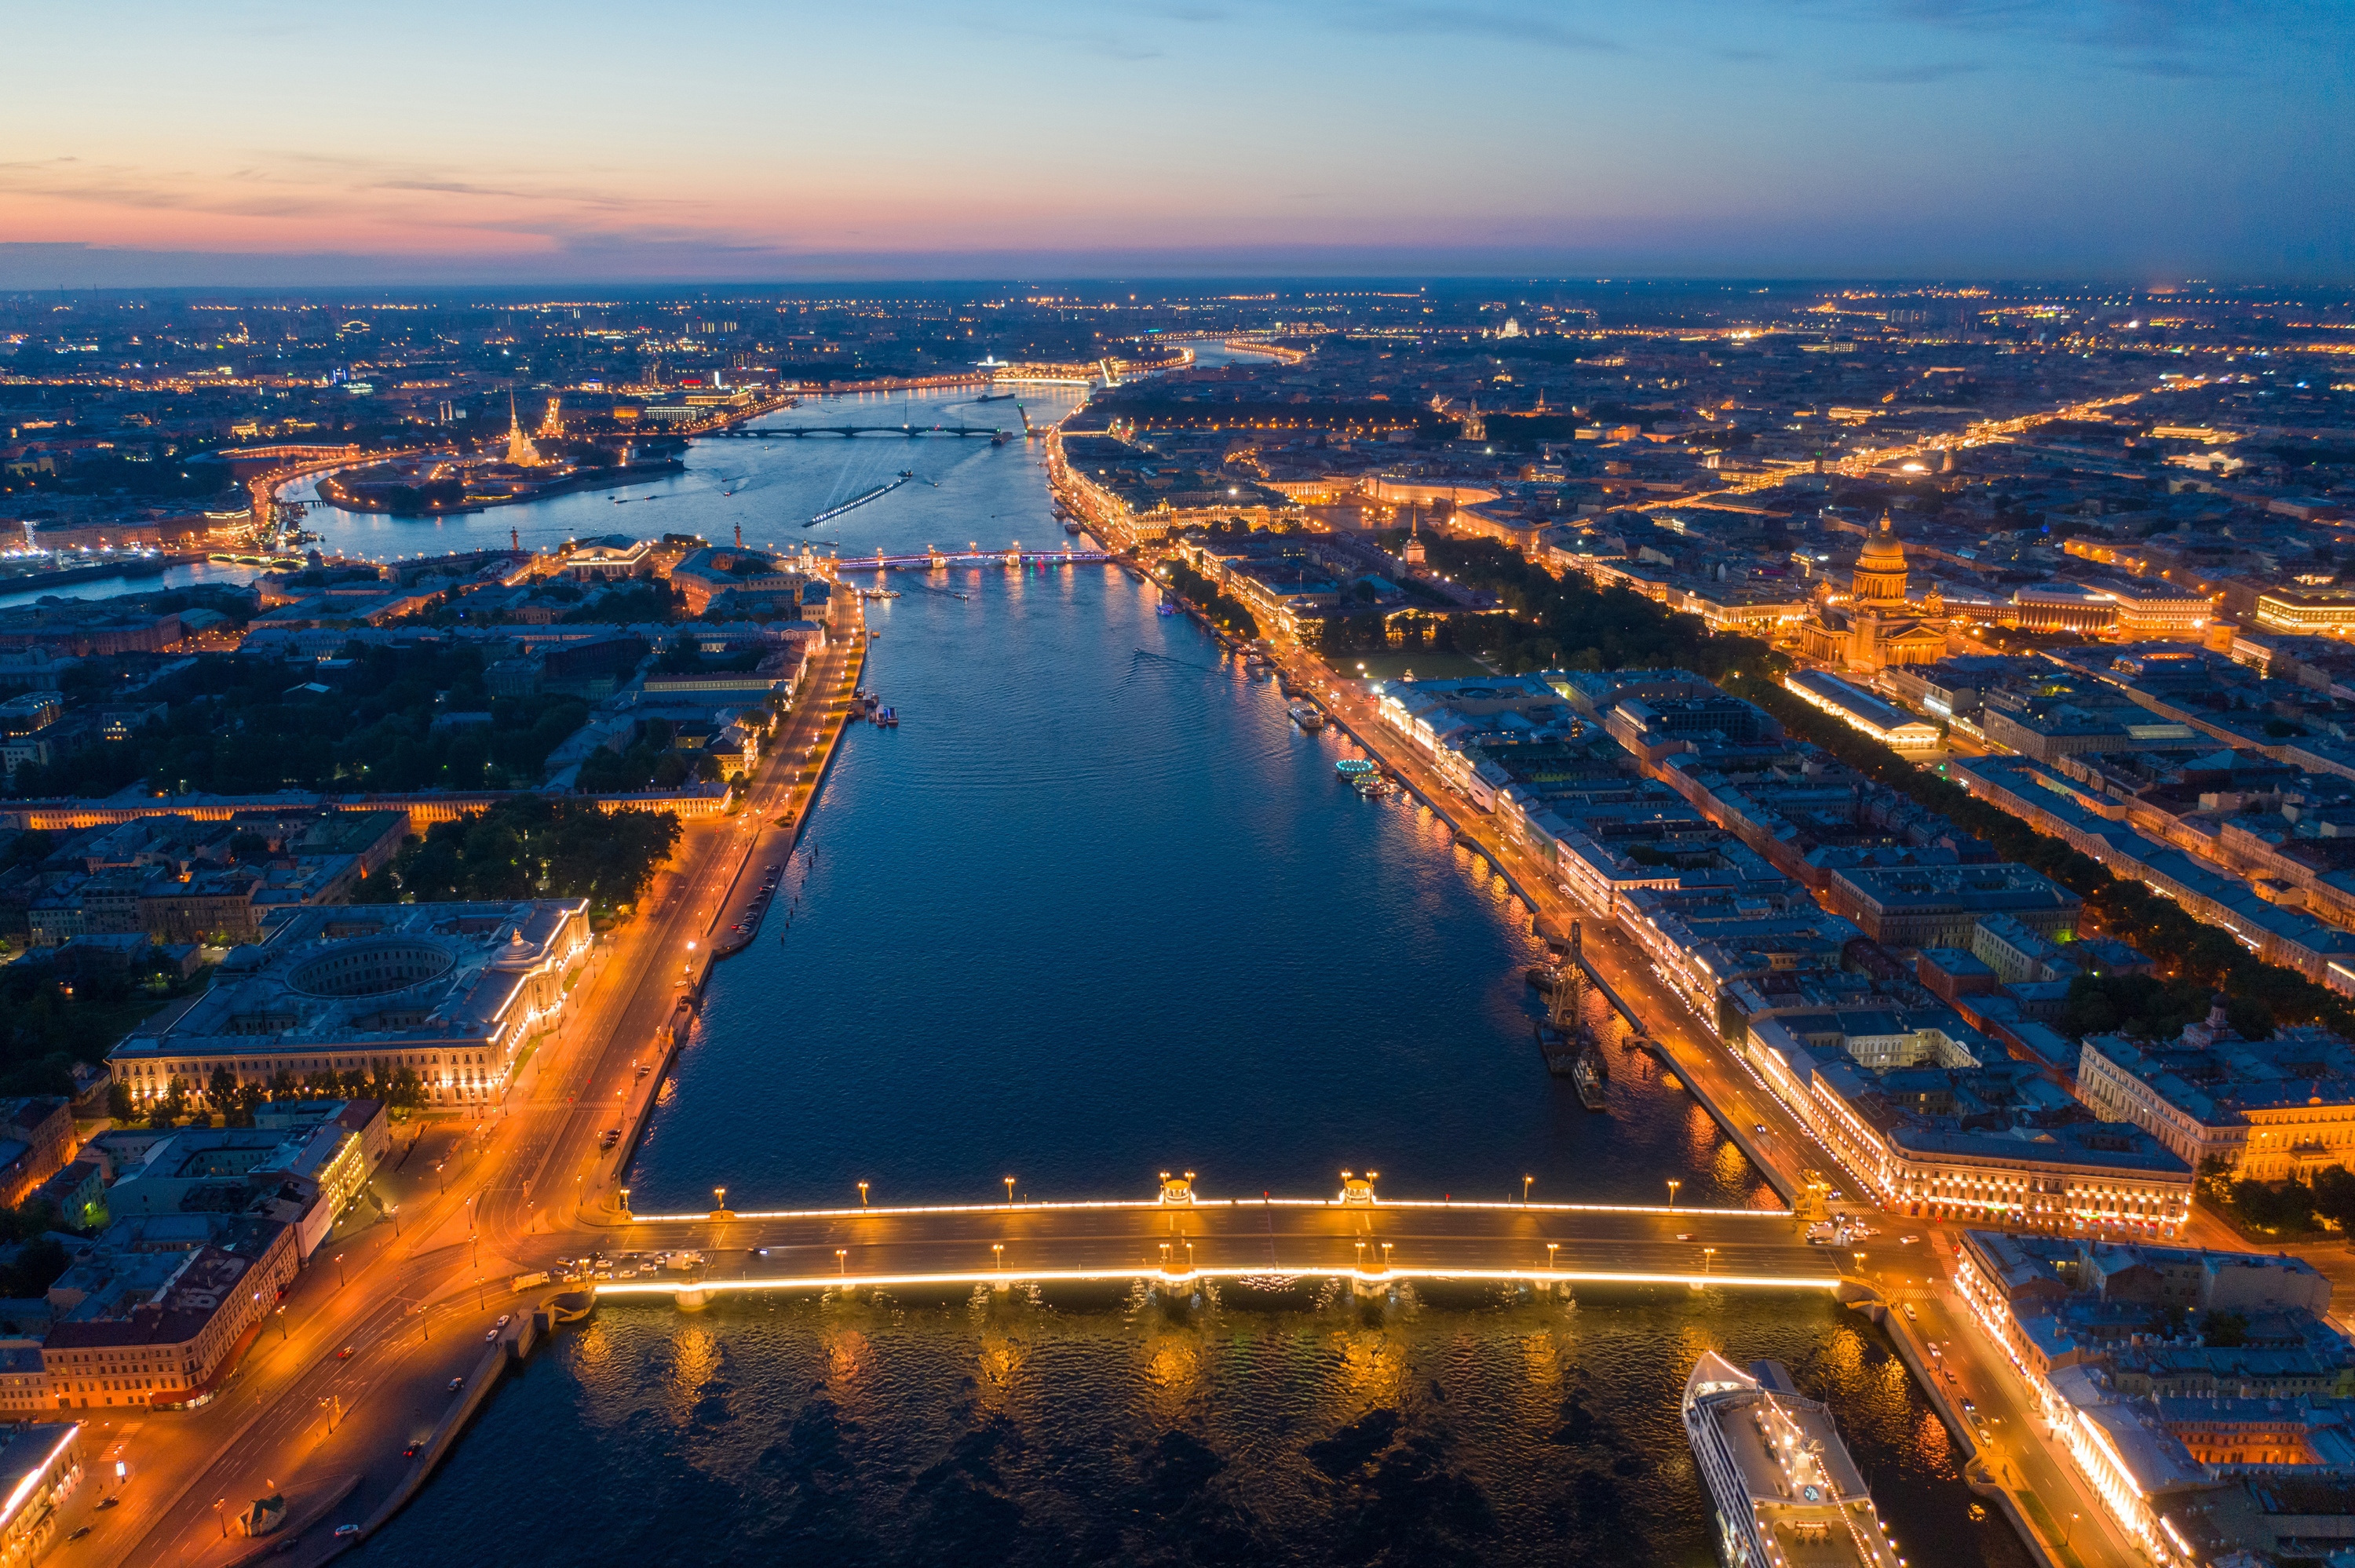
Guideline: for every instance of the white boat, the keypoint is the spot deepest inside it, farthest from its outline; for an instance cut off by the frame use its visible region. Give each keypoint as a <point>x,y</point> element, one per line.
<point>1785,1490</point>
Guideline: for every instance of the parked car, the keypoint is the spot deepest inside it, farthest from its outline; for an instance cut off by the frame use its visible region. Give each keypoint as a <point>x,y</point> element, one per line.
<point>345,1530</point>
<point>412,1451</point>
<point>456,1384</point>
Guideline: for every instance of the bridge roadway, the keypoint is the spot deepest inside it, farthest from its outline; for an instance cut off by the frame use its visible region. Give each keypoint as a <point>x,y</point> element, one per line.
<point>1374,1244</point>
<point>772,432</point>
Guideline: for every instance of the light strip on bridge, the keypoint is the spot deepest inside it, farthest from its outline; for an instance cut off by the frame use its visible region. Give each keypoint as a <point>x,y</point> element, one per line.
<point>1258,1271</point>
<point>705,1216</point>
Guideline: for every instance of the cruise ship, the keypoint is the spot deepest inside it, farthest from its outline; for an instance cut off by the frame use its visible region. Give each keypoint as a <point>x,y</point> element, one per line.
<point>1787,1494</point>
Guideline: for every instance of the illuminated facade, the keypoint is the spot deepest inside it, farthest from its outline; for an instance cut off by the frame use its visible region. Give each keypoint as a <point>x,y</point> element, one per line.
<point>1992,1144</point>
<point>40,1465</point>
<point>1878,625</point>
<point>2267,1108</point>
<point>454,993</point>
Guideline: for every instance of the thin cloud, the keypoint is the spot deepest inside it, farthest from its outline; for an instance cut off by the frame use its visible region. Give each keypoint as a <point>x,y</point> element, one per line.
<point>1470,22</point>
<point>1919,75</point>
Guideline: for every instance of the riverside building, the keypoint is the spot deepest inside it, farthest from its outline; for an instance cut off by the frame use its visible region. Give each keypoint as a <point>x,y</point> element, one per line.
<point>454,993</point>
<point>1939,1126</point>
<point>2266,1108</point>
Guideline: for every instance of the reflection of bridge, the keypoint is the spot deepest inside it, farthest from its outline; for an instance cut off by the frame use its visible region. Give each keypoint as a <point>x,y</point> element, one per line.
<point>1372,1244</point>
<point>975,432</point>
<point>941,560</point>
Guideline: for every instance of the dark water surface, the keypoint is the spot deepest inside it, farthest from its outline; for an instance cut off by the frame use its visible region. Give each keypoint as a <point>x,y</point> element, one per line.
<point>1097,909</point>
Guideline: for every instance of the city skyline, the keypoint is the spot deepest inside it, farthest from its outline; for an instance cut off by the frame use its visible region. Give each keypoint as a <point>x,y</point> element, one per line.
<point>2135,143</point>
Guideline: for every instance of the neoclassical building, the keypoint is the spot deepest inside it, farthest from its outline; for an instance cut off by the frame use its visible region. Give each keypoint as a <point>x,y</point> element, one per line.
<point>1876,623</point>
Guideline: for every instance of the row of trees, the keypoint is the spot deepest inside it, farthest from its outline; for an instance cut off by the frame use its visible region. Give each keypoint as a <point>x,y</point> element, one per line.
<point>2199,958</point>
<point>531,846</point>
<point>1224,609</point>
<point>221,1095</point>
<point>1568,623</point>
<point>2289,1207</point>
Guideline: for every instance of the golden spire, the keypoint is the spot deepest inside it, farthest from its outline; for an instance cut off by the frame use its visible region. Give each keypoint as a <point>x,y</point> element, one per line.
<point>520,451</point>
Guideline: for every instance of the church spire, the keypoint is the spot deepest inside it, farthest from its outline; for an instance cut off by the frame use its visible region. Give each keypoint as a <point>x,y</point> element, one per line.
<point>520,451</point>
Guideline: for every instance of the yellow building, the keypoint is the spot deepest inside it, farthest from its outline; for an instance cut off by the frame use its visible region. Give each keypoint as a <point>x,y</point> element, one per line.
<point>1877,624</point>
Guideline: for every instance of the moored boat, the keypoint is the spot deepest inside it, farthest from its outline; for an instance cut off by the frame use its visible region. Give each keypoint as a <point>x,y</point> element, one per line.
<point>1785,1490</point>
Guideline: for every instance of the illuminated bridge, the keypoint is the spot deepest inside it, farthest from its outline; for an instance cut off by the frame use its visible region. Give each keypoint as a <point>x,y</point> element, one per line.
<point>797,431</point>
<point>1181,1238</point>
<point>941,560</point>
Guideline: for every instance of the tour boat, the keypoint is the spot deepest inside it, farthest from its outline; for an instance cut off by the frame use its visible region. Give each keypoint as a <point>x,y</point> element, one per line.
<point>1785,1488</point>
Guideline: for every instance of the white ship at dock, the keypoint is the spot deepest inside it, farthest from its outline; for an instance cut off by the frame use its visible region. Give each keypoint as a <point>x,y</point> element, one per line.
<point>1787,1493</point>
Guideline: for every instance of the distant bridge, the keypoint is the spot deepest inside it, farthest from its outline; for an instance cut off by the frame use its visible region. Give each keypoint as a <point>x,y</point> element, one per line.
<point>941,560</point>
<point>970,432</point>
<point>1181,1238</point>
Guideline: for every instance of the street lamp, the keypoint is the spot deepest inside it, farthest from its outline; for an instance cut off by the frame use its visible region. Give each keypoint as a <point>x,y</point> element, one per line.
<point>281,1315</point>
<point>998,1250</point>
<point>395,1211</point>
<point>1673,1185</point>
<point>1009,1191</point>
<point>1525,1190</point>
<point>718,1198</point>
<point>862,1194</point>
<point>841,1261</point>
<point>625,1200</point>
<point>1708,1254</point>
<point>219,1518</point>
<point>340,1270</point>
<point>1551,1247</point>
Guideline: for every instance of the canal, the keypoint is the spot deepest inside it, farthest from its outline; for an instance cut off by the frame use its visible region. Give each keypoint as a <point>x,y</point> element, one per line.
<point>1096,909</point>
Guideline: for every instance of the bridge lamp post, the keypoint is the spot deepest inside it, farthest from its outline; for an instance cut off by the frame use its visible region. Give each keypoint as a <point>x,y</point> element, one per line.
<point>862,1194</point>
<point>841,1261</point>
<point>1009,1191</point>
<point>1525,1190</point>
<point>997,1252</point>
<point>1673,1185</point>
<point>1708,1256</point>
<point>1551,1247</point>
<point>718,1198</point>
<point>625,1200</point>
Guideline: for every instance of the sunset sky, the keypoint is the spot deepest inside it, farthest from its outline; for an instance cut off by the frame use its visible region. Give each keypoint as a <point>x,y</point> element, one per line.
<point>268,142</point>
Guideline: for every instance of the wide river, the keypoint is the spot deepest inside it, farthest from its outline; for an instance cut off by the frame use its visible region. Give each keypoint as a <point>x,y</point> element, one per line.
<point>1096,911</point>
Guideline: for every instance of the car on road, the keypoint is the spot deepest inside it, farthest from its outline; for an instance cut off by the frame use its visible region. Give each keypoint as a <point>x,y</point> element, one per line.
<point>78,1534</point>
<point>344,1531</point>
<point>1907,1241</point>
<point>344,1354</point>
<point>456,1384</point>
<point>412,1451</point>
<point>504,1318</point>
<point>1757,1126</point>
<point>492,1335</point>
<point>1910,1315</point>
<point>1970,1410</point>
<point>1684,1235</point>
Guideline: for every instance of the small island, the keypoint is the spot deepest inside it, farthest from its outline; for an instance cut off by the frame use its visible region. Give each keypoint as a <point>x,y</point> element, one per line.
<point>440,482</point>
